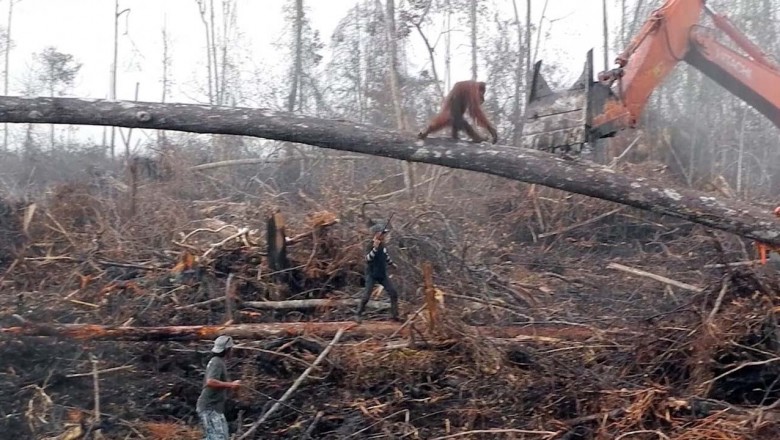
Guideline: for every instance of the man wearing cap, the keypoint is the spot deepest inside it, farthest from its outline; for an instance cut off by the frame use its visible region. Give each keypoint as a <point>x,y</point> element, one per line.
<point>211,403</point>
<point>377,260</point>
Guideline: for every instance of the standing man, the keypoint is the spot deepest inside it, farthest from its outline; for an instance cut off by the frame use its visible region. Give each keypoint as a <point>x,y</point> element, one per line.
<point>377,260</point>
<point>211,403</point>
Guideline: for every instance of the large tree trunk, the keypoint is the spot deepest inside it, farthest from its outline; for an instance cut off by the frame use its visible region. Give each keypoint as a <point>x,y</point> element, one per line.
<point>530,166</point>
<point>287,329</point>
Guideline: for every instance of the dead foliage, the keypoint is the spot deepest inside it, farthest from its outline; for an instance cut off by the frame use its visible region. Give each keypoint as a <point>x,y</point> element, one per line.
<point>657,361</point>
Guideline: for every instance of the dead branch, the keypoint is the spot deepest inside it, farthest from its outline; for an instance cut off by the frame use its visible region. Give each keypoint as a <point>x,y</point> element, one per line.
<point>653,276</point>
<point>581,224</point>
<point>547,434</point>
<point>295,384</point>
<point>240,234</point>
<point>300,237</point>
<point>107,370</point>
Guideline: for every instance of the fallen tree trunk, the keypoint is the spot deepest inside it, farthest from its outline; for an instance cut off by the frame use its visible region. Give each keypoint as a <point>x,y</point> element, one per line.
<point>289,329</point>
<point>530,166</point>
<point>294,304</point>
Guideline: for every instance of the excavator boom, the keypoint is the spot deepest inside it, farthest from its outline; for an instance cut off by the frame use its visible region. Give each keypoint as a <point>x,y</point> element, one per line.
<point>589,110</point>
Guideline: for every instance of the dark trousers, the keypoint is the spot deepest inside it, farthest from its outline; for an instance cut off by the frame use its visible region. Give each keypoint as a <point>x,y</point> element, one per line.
<point>391,292</point>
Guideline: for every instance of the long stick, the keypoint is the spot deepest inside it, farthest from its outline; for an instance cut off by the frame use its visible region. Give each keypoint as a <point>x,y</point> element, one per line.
<point>653,276</point>
<point>578,225</point>
<point>312,303</point>
<point>229,299</point>
<point>294,386</point>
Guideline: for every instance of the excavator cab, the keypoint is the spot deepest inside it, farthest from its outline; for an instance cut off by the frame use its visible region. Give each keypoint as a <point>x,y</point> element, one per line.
<point>562,122</point>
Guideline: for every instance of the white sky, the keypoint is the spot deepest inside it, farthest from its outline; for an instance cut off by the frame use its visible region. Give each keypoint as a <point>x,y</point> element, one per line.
<point>84,28</point>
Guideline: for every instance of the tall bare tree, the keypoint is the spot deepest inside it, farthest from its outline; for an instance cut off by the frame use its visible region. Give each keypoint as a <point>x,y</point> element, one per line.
<point>114,66</point>
<point>473,35</point>
<point>295,78</point>
<point>203,9</point>
<point>395,87</point>
<point>448,46</point>
<point>7,64</point>
<point>520,75</point>
<point>162,140</point>
<point>605,31</point>
<point>529,55</point>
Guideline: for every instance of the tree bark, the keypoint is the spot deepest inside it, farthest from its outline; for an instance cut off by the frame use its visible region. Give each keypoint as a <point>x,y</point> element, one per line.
<point>576,176</point>
<point>91,332</point>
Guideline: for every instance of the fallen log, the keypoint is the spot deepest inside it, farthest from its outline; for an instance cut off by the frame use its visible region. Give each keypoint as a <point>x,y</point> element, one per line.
<point>576,176</point>
<point>294,304</point>
<point>289,329</point>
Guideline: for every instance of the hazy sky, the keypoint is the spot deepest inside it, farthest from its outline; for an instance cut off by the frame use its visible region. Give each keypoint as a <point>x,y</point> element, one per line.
<point>84,28</point>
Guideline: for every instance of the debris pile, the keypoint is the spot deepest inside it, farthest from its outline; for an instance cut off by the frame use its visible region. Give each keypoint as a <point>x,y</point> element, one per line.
<point>556,318</point>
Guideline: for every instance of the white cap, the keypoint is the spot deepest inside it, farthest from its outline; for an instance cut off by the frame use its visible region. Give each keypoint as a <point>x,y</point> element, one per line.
<point>222,343</point>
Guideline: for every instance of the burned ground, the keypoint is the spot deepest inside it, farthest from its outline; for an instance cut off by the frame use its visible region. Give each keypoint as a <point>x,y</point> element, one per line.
<point>619,353</point>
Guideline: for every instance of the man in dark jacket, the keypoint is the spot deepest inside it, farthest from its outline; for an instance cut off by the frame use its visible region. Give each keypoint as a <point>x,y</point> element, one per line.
<point>377,260</point>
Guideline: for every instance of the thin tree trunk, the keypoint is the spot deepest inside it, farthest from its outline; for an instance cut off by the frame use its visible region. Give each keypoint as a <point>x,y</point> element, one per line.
<point>517,120</point>
<point>162,141</point>
<point>539,29</point>
<point>473,26</point>
<point>7,64</point>
<point>358,65</point>
<point>448,48</point>
<point>202,10</point>
<point>529,57</point>
<point>623,36</point>
<point>393,68</point>
<point>298,57</point>
<point>395,87</point>
<point>214,58</point>
<point>635,23</point>
<point>229,22</point>
<point>112,92</point>
<point>51,94</point>
<point>605,30</point>
<point>741,153</point>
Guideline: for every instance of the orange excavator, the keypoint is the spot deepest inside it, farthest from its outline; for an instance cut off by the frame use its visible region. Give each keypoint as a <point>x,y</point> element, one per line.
<point>589,110</point>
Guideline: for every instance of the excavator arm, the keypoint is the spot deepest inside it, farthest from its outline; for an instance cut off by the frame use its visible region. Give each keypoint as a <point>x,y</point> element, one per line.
<point>591,110</point>
<point>755,79</point>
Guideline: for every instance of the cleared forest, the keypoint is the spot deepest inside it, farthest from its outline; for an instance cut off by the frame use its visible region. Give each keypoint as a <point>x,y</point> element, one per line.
<point>613,294</point>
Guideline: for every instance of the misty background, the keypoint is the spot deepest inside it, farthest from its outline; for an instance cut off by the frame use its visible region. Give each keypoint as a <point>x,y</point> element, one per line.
<point>334,59</point>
